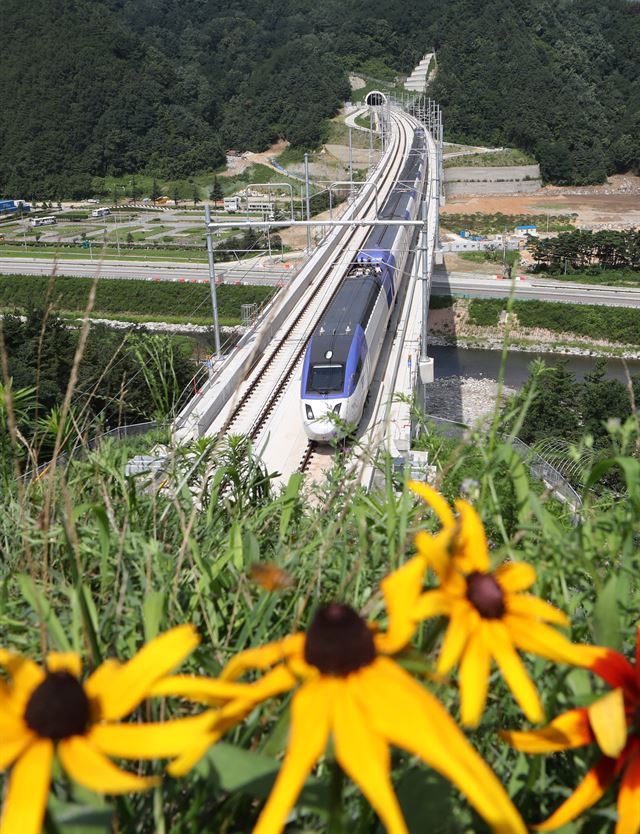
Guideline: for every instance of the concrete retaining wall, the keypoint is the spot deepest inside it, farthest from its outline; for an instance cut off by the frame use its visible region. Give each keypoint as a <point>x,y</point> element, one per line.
<point>489,180</point>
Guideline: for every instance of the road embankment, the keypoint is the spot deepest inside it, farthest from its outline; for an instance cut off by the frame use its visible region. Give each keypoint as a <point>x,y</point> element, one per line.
<point>537,327</point>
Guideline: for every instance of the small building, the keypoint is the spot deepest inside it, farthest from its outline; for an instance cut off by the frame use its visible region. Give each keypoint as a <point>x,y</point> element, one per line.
<point>232,203</point>
<point>523,231</point>
<point>261,203</point>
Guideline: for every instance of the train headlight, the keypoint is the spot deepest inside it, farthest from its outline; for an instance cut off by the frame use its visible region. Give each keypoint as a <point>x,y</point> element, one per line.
<point>309,411</point>
<point>336,409</point>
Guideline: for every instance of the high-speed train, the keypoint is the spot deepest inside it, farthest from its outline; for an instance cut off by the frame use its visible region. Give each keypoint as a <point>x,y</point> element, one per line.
<point>343,351</point>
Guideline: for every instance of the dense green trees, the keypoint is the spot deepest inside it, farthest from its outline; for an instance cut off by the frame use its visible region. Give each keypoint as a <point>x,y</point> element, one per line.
<point>123,377</point>
<point>584,250</point>
<point>559,80</point>
<point>119,86</point>
<point>566,409</point>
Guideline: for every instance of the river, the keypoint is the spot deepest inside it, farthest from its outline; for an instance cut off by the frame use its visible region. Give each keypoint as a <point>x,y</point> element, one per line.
<point>454,361</point>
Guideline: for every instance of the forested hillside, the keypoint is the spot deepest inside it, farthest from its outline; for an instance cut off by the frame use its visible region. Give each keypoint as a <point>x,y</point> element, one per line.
<point>99,87</point>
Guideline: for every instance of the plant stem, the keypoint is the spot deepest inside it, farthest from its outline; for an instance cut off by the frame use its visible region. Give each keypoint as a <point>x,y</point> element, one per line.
<point>335,800</point>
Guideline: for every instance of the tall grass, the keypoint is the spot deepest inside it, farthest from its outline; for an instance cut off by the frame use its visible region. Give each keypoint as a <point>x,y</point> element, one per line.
<point>97,561</point>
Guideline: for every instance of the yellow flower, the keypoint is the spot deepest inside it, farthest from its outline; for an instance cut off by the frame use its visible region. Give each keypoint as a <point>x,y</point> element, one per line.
<point>611,722</point>
<point>48,711</point>
<point>347,687</point>
<point>489,615</point>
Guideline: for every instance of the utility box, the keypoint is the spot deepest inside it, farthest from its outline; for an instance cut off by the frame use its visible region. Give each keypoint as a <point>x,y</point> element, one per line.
<point>427,370</point>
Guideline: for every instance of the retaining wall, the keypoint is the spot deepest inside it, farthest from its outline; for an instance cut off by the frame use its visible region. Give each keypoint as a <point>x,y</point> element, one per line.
<point>490,180</point>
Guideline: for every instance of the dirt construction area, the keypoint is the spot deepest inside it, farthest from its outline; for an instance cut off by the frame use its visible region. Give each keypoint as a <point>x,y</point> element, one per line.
<point>613,205</point>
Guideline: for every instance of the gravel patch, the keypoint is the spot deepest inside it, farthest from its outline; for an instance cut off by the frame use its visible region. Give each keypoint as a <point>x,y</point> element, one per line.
<point>464,399</point>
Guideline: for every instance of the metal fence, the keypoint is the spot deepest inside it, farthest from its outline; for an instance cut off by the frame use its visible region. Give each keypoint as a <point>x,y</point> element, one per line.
<point>119,433</point>
<point>539,467</point>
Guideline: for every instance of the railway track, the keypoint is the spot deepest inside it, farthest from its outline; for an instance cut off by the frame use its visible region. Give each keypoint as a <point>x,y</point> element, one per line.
<point>272,373</point>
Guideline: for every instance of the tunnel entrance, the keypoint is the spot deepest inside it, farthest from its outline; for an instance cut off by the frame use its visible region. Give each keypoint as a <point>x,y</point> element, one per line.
<point>375,99</point>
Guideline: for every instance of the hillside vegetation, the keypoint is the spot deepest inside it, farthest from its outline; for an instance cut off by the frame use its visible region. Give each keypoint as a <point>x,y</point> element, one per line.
<point>114,87</point>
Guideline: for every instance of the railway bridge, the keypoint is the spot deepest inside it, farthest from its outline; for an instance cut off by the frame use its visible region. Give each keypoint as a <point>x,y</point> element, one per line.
<point>255,389</point>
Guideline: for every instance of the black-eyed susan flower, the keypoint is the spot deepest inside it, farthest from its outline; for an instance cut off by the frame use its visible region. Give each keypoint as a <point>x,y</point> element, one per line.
<point>490,616</point>
<point>348,687</point>
<point>611,722</point>
<point>44,712</point>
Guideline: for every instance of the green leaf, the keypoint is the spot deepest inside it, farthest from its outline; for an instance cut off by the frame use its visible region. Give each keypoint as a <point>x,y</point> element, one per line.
<point>152,611</point>
<point>235,546</point>
<point>289,502</point>
<point>44,612</point>
<point>242,771</point>
<point>606,618</point>
<point>425,795</point>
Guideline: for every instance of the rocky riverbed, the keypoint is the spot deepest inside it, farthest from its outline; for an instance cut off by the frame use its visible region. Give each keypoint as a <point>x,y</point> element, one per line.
<point>464,399</point>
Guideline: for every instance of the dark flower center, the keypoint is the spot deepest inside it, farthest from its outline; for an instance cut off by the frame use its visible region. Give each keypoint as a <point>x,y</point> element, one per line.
<point>58,707</point>
<point>338,641</point>
<point>486,595</point>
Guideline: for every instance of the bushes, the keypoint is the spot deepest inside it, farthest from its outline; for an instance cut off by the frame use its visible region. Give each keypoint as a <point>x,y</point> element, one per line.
<point>616,324</point>
<point>123,296</point>
<point>485,312</point>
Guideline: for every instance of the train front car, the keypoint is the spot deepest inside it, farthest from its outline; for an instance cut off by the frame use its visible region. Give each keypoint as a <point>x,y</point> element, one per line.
<point>338,361</point>
<point>343,351</point>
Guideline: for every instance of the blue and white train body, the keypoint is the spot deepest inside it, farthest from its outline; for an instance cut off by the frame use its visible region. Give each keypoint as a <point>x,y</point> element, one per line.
<point>343,351</point>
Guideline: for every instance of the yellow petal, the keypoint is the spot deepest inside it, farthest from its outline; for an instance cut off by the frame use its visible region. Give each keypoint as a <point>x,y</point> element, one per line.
<point>438,504</point>
<point>400,590</point>
<point>588,792</point>
<point>26,800</point>
<point>629,799</point>
<point>456,638</point>
<point>190,758</point>
<point>11,724</point>
<point>533,608</point>
<point>364,756</point>
<point>434,551</point>
<point>202,690</point>
<point>90,768</point>
<point>311,709</point>
<point>214,691</point>
<point>408,716</point>
<point>149,741</point>
<point>11,746</point>
<point>25,675</point>
<point>431,604</point>
<point>123,689</point>
<point>609,723</point>
<point>65,662</point>
<point>543,640</point>
<point>264,656</point>
<point>100,680</point>
<point>569,730</point>
<point>513,671</point>
<point>474,679</point>
<point>515,576</point>
<point>471,551</point>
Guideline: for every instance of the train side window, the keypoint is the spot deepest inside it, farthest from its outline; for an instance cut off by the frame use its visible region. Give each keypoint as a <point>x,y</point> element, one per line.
<point>359,367</point>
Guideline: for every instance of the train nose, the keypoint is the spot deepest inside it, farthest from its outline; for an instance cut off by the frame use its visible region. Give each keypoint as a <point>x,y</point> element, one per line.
<point>322,430</point>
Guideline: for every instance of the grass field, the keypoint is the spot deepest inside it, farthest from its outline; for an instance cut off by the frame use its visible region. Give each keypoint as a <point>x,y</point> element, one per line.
<point>505,157</point>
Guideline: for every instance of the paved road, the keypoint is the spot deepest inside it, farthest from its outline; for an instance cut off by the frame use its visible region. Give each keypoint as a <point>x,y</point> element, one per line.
<point>160,271</point>
<point>457,283</point>
<point>543,289</point>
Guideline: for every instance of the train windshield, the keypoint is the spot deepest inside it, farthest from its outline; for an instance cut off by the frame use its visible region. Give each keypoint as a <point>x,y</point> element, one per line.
<point>326,379</point>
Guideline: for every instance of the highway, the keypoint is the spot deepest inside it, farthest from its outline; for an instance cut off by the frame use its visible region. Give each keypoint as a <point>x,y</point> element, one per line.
<point>262,272</point>
<point>471,284</point>
<point>531,287</point>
